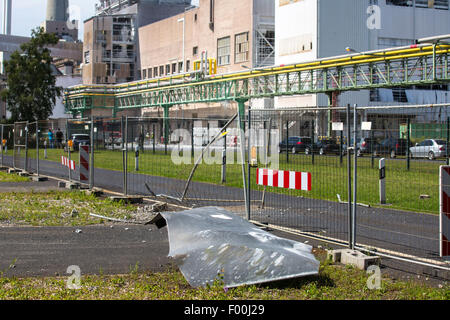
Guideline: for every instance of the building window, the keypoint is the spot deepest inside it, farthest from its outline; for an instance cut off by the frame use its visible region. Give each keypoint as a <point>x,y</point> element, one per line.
<point>194,51</point>
<point>167,68</point>
<point>436,4</point>
<point>241,47</point>
<point>223,51</point>
<point>155,72</point>
<point>180,67</point>
<point>174,68</point>
<point>188,65</point>
<point>87,57</point>
<point>384,43</point>
<point>161,71</point>
<point>149,73</point>
<point>144,74</point>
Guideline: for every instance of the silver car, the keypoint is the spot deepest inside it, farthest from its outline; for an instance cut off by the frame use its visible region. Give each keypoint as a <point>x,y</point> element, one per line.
<point>430,149</point>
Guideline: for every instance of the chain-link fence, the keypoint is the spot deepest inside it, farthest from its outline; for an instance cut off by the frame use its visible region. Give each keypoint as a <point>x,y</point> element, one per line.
<point>397,205</point>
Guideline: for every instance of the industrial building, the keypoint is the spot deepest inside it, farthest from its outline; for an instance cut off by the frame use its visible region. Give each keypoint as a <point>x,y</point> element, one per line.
<point>111,37</point>
<point>308,30</point>
<point>237,34</point>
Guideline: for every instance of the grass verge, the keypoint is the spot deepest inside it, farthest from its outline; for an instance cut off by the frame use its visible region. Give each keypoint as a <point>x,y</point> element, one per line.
<point>329,176</point>
<point>58,208</point>
<point>334,282</point>
<point>7,177</point>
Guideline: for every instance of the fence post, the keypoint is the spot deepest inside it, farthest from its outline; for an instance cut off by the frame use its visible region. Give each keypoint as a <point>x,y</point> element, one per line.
<point>448,138</point>
<point>312,141</point>
<point>408,138</point>
<point>37,148</point>
<point>349,181</point>
<point>341,150</point>
<point>371,149</point>
<point>192,139</point>
<point>25,166</point>
<point>125,159</point>
<point>68,148</point>
<point>248,164</point>
<point>287,141</point>
<point>355,175</point>
<point>154,139</point>
<point>224,160</point>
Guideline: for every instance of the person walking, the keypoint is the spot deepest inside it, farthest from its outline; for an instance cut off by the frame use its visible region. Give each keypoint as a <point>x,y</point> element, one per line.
<point>59,138</point>
<point>51,138</point>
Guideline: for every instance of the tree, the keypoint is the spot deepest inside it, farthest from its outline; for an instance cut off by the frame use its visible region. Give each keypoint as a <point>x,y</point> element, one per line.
<point>31,86</point>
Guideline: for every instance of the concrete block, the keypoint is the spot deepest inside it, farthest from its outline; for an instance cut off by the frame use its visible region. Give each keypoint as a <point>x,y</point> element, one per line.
<point>12,170</point>
<point>96,193</point>
<point>72,185</point>
<point>61,184</point>
<point>4,168</point>
<point>39,179</point>
<point>353,257</point>
<point>24,174</point>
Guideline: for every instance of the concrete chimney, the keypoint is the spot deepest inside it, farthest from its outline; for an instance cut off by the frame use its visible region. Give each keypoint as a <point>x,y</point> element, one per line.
<point>57,10</point>
<point>7,17</point>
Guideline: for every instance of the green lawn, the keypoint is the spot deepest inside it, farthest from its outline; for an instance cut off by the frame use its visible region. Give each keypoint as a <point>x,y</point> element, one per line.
<point>58,208</point>
<point>7,177</point>
<point>329,176</point>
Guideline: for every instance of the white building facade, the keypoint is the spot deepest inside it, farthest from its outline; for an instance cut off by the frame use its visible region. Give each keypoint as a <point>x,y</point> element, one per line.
<point>311,29</point>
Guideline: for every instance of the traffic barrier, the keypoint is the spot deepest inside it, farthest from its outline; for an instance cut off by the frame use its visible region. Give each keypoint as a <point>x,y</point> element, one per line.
<point>284,179</point>
<point>65,162</point>
<point>444,225</point>
<point>84,163</point>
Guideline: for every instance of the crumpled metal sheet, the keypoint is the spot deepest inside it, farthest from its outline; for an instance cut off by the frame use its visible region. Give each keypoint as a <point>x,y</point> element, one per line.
<point>210,241</point>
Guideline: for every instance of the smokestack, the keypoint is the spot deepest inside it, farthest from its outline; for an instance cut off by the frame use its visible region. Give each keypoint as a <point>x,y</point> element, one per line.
<point>57,10</point>
<point>7,17</point>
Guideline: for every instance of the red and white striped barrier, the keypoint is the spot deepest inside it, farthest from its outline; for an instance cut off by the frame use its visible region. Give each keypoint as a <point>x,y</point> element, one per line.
<point>84,163</point>
<point>284,179</point>
<point>65,162</point>
<point>444,225</point>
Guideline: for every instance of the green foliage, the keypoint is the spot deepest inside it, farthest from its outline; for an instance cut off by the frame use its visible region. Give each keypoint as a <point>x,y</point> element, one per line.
<point>31,91</point>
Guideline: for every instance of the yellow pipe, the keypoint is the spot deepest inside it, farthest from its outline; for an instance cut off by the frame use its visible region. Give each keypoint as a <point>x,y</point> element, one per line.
<point>352,59</point>
<point>393,55</point>
<point>249,75</point>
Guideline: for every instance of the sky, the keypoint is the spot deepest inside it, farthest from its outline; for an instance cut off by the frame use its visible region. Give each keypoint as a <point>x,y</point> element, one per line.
<point>29,14</point>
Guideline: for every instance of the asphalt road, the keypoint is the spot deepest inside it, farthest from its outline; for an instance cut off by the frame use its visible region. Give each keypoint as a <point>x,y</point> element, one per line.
<point>406,232</point>
<point>49,251</point>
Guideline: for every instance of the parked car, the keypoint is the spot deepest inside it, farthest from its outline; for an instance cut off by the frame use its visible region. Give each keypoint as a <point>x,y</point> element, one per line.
<point>430,149</point>
<point>392,147</point>
<point>367,146</point>
<point>295,144</point>
<point>326,146</point>
<point>79,139</point>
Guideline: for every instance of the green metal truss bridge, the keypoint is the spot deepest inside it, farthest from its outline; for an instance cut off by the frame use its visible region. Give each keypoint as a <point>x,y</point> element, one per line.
<point>421,64</point>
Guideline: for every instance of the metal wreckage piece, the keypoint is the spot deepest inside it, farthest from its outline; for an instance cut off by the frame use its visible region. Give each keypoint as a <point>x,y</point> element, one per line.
<point>211,241</point>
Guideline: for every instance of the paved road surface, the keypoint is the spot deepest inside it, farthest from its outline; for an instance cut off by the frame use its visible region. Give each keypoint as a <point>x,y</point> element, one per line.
<point>406,232</point>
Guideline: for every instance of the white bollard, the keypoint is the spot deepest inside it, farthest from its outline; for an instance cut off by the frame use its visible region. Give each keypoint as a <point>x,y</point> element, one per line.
<point>382,181</point>
<point>45,149</point>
